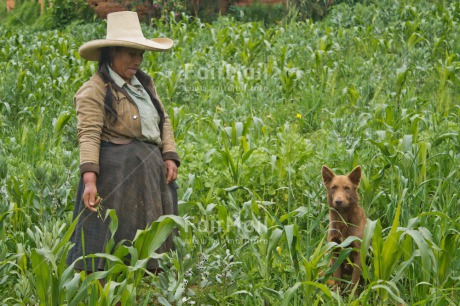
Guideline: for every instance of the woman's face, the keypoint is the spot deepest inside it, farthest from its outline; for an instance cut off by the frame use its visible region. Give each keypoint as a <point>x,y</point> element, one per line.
<point>126,62</point>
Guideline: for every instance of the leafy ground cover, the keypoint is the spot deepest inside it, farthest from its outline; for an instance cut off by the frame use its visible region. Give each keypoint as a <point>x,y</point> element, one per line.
<point>256,111</point>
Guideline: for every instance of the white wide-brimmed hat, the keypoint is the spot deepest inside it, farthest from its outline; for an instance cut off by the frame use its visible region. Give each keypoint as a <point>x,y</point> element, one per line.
<point>123,30</point>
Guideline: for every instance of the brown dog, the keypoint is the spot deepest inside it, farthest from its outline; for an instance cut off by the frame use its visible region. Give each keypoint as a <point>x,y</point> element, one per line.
<point>346,218</point>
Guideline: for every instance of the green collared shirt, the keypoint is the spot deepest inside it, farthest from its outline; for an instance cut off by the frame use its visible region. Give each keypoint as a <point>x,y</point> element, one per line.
<point>150,119</point>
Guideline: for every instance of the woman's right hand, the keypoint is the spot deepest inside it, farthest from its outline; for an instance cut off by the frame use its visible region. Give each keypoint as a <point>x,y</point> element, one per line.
<point>90,198</point>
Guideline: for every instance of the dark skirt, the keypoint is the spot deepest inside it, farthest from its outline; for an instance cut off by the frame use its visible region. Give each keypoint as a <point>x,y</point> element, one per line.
<point>132,181</point>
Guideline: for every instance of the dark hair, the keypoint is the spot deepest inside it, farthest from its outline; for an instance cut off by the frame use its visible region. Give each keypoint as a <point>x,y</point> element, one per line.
<point>105,59</point>
<point>106,56</point>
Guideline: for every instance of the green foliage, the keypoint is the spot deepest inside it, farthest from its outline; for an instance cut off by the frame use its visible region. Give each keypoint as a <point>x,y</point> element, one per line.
<point>57,14</point>
<point>24,14</point>
<point>39,274</point>
<point>313,9</point>
<point>206,10</point>
<point>267,13</point>
<point>3,10</point>
<point>256,110</point>
<point>63,12</point>
<point>162,9</point>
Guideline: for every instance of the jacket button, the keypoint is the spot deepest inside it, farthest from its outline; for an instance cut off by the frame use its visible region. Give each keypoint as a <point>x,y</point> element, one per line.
<point>134,117</point>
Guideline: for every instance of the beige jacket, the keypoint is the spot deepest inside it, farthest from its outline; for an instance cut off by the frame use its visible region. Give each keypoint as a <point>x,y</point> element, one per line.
<point>95,125</point>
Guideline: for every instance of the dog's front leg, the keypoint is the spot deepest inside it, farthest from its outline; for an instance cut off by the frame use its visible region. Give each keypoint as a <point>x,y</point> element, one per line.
<point>357,267</point>
<point>337,274</point>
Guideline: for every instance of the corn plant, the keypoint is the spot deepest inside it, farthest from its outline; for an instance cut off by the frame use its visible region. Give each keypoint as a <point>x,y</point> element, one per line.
<point>256,110</point>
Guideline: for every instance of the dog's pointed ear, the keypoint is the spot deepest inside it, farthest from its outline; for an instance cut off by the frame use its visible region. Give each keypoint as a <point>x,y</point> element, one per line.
<point>328,175</point>
<point>355,175</point>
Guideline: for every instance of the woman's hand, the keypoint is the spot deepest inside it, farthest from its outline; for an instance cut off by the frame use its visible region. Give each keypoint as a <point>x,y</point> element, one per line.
<point>171,170</point>
<point>90,198</point>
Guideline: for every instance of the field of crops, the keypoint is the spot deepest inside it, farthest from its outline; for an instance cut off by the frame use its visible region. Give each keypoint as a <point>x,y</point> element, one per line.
<point>256,110</point>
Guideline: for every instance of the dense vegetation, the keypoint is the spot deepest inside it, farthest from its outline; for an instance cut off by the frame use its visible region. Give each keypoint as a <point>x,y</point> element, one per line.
<point>256,111</point>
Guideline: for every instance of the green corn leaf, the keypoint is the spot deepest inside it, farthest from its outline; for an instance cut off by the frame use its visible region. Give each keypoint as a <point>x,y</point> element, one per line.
<point>42,275</point>
<point>377,246</point>
<point>448,249</point>
<point>394,226</point>
<point>289,232</point>
<point>407,143</point>
<point>89,284</point>
<point>293,242</point>
<point>273,241</point>
<point>365,244</point>
<point>244,144</point>
<point>389,116</point>
<point>208,156</point>
<point>242,292</point>
<point>391,253</point>
<point>401,270</point>
<point>149,240</point>
<point>392,290</point>
<point>113,225</point>
<point>179,221</point>
<point>317,255</point>
<point>67,235</point>
<point>343,255</point>
<point>223,216</point>
<point>289,294</point>
<point>426,263</point>
<point>61,121</point>
<point>109,257</point>
<point>320,286</point>
<point>407,245</point>
<point>346,243</point>
<point>259,227</point>
<point>71,286</point>
<point>247,154</point>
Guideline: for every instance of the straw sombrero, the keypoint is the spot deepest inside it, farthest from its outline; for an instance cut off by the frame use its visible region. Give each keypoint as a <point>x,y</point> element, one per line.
<point>123,30</point>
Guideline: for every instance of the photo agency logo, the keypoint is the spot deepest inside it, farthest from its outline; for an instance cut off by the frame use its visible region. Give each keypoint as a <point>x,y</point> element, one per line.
<point>244,231</point>
<point>226,72</point>
<point>226,77</point>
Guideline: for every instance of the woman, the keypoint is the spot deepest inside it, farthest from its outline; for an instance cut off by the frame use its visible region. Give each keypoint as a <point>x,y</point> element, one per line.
<point>127,149</point>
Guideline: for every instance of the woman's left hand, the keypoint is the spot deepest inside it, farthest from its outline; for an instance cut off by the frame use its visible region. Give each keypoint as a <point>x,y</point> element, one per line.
<point>171,170</point>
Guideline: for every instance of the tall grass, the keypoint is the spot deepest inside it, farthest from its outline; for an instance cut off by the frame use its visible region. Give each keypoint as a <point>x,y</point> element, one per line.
<point>256,111</point>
